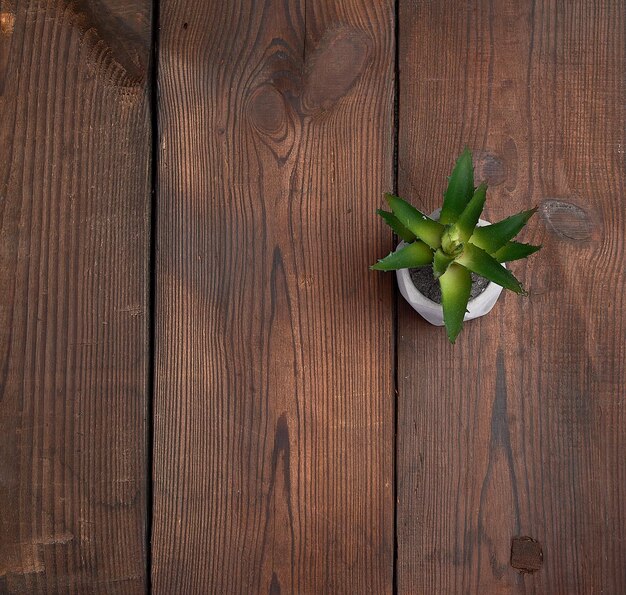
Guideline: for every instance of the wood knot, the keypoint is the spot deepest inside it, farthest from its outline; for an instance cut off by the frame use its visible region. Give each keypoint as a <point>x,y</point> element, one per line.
<point>526,554</point>
<point>7,22</point>
<point>490,168</point>
<point>335,67</point>
<point>567,220</point>
<point>266,109</point>
<point>7,25</point>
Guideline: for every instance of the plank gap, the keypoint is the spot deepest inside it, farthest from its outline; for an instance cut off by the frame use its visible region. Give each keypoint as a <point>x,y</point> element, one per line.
<point>154,174</point>
<point>394,324</point>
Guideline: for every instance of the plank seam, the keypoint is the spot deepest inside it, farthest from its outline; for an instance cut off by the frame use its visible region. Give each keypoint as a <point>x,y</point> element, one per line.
<point>394,324</point>
<point>154,172</point>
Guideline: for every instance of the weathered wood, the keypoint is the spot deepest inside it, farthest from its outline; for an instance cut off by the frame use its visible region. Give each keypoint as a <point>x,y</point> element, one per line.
<point>74,232</point>
<point>274,393</point>
<point>520,428</point>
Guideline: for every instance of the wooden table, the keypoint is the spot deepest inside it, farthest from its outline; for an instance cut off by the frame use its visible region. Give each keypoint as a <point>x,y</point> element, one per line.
<point>203,389</point>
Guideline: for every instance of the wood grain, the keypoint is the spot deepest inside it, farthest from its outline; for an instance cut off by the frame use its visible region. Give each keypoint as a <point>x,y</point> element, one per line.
<point>74,233</point>
<point>519,429</point>
<point>274,392</point>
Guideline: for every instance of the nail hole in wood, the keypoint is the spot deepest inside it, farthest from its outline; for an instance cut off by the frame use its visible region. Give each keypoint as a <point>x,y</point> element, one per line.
<point>526,554</point>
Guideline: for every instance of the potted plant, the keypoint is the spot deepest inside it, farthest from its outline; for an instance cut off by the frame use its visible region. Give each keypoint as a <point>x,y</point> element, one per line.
<point>451,266</point>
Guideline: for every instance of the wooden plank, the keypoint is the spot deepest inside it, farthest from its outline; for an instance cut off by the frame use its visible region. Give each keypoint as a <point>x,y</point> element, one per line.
<point>274,393</point>
<point>74,223</point>
<point>519,429</point>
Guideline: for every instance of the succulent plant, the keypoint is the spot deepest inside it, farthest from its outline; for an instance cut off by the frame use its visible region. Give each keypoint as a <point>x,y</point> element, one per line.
<point>454,245</point>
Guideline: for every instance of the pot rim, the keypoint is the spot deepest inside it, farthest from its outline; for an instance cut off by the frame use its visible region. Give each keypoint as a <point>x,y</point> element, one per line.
<point>486,294</point>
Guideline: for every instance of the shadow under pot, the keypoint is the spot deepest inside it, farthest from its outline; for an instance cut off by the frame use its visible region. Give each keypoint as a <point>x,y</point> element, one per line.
<point>423,300</point>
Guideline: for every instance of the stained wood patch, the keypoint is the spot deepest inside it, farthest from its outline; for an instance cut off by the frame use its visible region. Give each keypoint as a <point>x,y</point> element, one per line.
<point>519,429</point>
<point>74,245</point>
<point>274,369</point>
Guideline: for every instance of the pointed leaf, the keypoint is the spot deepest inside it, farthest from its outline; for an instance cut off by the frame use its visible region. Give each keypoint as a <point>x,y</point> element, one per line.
<point>475,259</point>
<point>456,285</point>
<point>416,254</point>
<point>399,229</point>
<point>514,251</point>
<point>441,262</point>
<point>492,237</point>
<point>460,188</point>
<point>466,223</point>
<point>423,227</point>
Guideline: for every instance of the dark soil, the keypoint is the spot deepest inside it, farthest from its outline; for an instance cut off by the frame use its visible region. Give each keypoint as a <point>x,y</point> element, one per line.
<point>423,279</point>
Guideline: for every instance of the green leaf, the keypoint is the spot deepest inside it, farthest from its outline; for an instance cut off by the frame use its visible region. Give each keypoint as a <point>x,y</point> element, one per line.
<point>460,188</point>
<point>456,285</point>
<point>399,229</point>
<point>492,237</point>
<point>423,227</point>
<point>441,262</point>
<point>466,223</point>
<point>514,251</point>
<point>417,254</point>
<point>478,261</point>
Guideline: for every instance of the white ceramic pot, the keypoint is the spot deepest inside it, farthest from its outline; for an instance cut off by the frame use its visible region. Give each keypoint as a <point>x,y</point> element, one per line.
<point>432,311</point>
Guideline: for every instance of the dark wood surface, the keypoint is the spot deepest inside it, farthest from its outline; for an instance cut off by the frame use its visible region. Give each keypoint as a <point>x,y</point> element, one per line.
<point>274,371</point>
<point>275,465</point>
<point>74,207</point>
<point>519,429</point>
